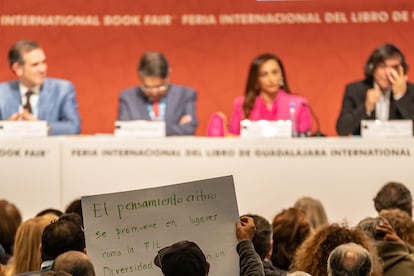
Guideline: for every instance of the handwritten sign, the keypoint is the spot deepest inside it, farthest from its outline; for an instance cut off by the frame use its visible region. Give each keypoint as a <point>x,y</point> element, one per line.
<point>125,230</point>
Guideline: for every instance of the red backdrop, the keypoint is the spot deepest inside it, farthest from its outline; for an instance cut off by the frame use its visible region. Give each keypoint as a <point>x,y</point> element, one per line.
<point>101,60</point>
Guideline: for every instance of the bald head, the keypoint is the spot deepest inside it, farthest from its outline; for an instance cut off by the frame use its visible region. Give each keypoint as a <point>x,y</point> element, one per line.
<point>349,259</point>
<point>74,262</point>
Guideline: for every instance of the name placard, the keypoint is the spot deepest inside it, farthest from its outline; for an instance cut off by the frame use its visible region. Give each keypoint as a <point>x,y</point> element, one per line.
<point>391,128</point>
<point>23,129</point>
<point>139,128</point>
<point>125,230</point>
<point>264,128</point>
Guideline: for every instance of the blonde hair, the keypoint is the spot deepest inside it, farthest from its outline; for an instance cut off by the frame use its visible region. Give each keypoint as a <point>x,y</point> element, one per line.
<point>27,254</point>
<point>314,211</point>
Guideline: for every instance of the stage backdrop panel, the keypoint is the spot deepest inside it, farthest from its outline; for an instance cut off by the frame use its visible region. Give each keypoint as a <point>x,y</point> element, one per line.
<point>210,44</point>
<point>31,174</point>
<point>269,174</point>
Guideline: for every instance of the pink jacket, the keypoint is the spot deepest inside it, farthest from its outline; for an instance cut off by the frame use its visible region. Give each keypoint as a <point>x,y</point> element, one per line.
<point>279,111</point>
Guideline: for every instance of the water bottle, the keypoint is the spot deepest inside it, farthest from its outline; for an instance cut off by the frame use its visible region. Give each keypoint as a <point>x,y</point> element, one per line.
<point>293,119</point>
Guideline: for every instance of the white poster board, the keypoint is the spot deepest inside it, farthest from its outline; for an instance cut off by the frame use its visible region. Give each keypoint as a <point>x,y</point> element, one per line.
<point>125,230</point>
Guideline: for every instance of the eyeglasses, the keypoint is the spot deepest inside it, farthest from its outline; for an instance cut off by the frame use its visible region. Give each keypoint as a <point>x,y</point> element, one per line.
<point>154,89</point>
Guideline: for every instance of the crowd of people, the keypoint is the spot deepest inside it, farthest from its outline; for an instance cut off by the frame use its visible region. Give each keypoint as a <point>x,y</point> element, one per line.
<point>383,94</point>
<point>299,240</point>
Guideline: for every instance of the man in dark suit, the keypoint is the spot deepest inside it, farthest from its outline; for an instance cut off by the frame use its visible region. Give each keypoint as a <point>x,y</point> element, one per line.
<point>35,97</point>
<point>384,94</point>
<point>158,100</point>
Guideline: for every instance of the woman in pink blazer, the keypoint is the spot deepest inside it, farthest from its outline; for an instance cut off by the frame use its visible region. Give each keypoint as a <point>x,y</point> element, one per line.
<point>267,97</point>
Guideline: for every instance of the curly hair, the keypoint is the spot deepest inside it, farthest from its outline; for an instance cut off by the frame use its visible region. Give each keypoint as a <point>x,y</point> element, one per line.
<point>290,229</point>
<point>401,223</point>
<point>313,254</point>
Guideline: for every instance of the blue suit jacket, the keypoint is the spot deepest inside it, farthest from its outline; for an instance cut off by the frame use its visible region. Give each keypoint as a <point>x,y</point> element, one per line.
<point>180,101</point>
<point>57,105</point>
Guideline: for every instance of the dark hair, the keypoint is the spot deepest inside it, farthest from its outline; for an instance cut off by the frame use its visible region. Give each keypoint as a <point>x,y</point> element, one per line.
<point>183,258</point>
<point>379,56</point>
<point>53,211</point>
<point>153,64</point>
<point>16,51</point>
<point>54,273</point>
<point>75,207</point>
<point>349,259</point>
<point>263,235</point>
<point>394,195</point>
<point>252,90</point>
<point>63,235</point>
<point>290,229</point>
<point>11,218</point>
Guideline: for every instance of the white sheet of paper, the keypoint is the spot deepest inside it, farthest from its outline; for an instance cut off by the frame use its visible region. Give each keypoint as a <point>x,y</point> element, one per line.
<point>264,128</point>
<point>23,129</point>
<point>125,230</point>
<point>139,128</point>
<point>391,128</point>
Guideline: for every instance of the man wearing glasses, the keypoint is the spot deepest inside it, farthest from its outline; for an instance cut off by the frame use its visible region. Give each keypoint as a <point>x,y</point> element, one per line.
<point>158,100</point>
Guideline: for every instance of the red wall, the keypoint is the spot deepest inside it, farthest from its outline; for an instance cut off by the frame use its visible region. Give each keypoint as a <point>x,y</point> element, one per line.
<point>101,60</point>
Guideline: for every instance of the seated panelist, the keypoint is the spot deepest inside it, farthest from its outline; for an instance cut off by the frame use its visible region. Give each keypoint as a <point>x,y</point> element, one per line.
<point>158,100</point>
<point>33,96</point>
<point>384,94</point>
<point>267,97</point>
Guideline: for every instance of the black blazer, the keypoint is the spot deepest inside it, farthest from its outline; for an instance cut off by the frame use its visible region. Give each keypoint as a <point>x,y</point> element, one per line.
<point>353,107</point>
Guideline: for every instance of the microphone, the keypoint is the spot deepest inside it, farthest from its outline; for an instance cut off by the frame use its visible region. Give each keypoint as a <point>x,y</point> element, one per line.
<point>318,132</point>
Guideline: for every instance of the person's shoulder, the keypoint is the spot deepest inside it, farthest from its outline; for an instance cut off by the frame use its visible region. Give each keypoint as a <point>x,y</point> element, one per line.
<point>60,86</point>
<point>181,88</point>
<point>299,100</point>
<point>355,85</point>
<point>9,85</point>
<point>410,86</point>
<point>129,90</point>
<point>238,101</point>
<point>57,82</point>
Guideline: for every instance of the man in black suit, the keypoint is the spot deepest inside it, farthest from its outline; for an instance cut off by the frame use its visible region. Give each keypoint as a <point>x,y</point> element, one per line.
<point>384,94</point>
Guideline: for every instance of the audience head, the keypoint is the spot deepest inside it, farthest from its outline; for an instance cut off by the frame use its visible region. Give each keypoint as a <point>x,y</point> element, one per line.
<point>394,195</point>
<point>290,229</point>
<point>74,262</point>
<point>385,58</point>
<point>54,273</point>
<point>314,211</point>
<point>262,239</point>
<point>28,61</point>
<point>63,235</point>
<point>349,259</point>
<point>11,218</point>
<point>266,75</point>
<point>312,256</point>
<point>153,71</point>
<point>183,258</point>
<point>369,226</point>
<point>75,207</point>
<point>48,211</point>
<point>27,256</point>
<point>402,224</point>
